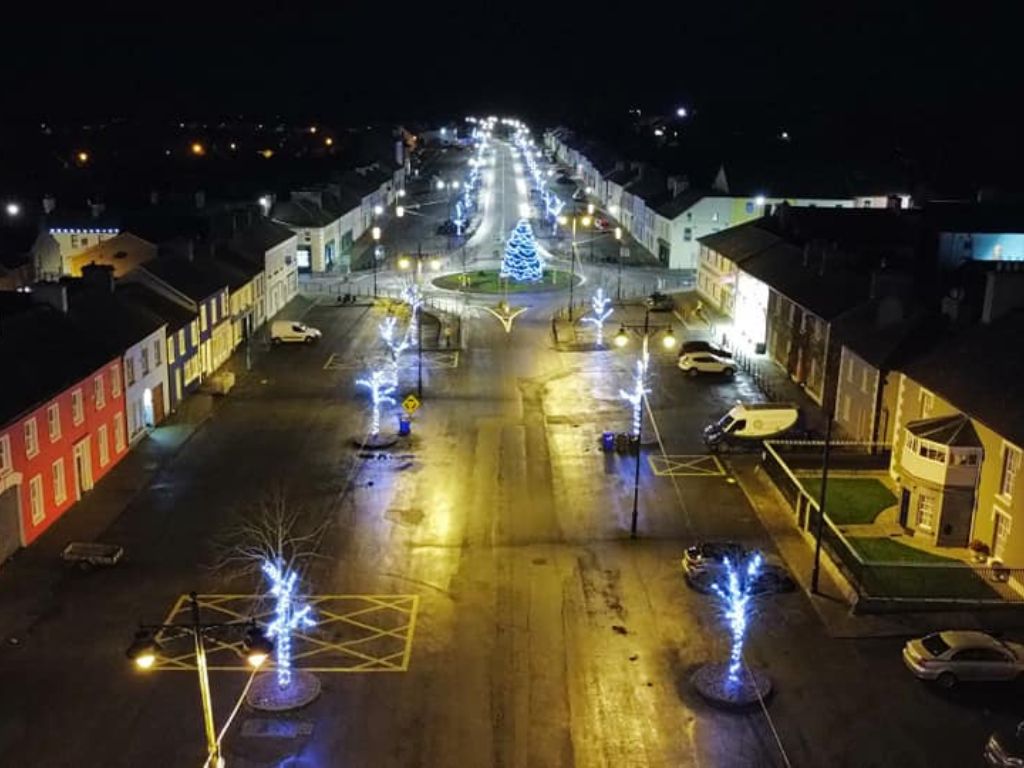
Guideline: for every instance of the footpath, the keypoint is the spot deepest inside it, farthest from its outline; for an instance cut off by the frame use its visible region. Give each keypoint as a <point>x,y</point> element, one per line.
<point>30,577</point>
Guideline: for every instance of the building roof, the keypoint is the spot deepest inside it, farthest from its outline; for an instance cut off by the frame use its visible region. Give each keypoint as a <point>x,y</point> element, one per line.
<point>622,176</point>
<point>301,213</point>
<point>44,353</point>
<point>115,323</point>
<point>977,371</point>
<point>79,220</point>
<point>649,187</point>
<point>123,252</point>
<point>194,278</point>
<point>259,237</point>
<point>884,333</point>
<point>175,315</point>
<point>671,207</point>
<point>956,430</point>
<point>360,184</point>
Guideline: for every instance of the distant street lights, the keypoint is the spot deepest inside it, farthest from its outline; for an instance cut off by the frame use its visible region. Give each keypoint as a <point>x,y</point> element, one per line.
<point>146,646</point>
<point>375,234</point>
<point>639,394</point>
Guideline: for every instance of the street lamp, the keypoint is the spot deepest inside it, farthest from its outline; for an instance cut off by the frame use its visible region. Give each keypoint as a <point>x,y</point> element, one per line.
<point>399,211</point>
<point>12,209</point>
<point>584,221</point>
<point>375,234</point>
<point>378,210</point>
<point>668,341</point>
<point>145,647</point>
<point>435,264</point>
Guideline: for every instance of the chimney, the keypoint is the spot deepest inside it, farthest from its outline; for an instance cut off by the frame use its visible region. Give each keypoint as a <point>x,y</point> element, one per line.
<point>96,209</point>
<point>49,203</point>
<point>678,184</point>
<point>54,294</point>
<point>154,197</point>
<point>98,278</point>
<point>200,197</point>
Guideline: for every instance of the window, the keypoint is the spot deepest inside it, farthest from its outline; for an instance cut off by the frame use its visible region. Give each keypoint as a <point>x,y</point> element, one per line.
<point>1011,466</point>
<point>1000,533</point>
<point>969,459</point>
<point>35,499</point>
<point>687,234</point>
<point>53,422</point>
<point>31,438</point>
<point>5,455</point>
<point>181,340</point>
<point>926,402</point>
<point>60,491</point>
<point>101,438</point>
<point>925,512</point>
<point>849,369</point>
<point>865,379</point>
<point>714,216</point>
<point>83,241</point>
<point>145,361</point>
<point>115,381</point>
<point>932,453</point>
<point>98,393</point>
<point>170,350</point>
<point>77,407</point>
<point>846,408</point>
<point>129,370</point>
<point>202,318</point>
<point>223,305</point>
<point>156,353</point>
<point>118,434</point>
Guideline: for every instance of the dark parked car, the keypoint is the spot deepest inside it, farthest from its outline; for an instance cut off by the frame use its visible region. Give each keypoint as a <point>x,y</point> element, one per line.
<point>660,302</point>
<point>446,228</point>
<point>563,180</point>
<point>690,347</point>
<point>704,565</point>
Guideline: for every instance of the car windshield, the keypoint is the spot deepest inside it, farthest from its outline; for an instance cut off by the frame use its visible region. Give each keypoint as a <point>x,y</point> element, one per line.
<point>935,645</point>
<point>725,422</point>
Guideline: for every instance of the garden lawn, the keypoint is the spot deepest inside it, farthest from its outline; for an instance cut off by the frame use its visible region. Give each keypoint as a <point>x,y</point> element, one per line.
<point>851,500</point>
<point>892,569</point>
<point>488,281</point>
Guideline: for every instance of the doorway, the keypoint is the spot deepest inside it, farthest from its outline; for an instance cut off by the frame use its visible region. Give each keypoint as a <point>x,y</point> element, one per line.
<point>82,455</point>
<point>147,407</point>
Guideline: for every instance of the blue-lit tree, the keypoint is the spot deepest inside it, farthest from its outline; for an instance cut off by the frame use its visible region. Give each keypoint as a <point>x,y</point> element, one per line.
<point>381,385</point>
<point>600,306</point>
<point>289,614</point>
<point>388,333</point>
<point>635,396</point>
<point>521,261</point>
<point>734,591</point>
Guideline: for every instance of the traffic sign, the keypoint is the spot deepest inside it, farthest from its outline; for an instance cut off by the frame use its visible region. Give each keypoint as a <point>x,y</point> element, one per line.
<point>411,404</point>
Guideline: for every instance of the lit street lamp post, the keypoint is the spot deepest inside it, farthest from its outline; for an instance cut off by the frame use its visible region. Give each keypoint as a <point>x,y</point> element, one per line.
<point>639,395</point>
<point>584,221</point>
<point>435,264</point>
<point>375,232</point>
<point>144,648</point>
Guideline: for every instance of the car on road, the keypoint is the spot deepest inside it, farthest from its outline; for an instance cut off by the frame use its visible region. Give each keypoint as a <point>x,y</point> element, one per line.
<point>772,578</point>
<point>579,195</point>
<point>1005,748</point>
<point>954,656</point>
<point>292,332</point>
<point>695,363</point>
<point>660,302</point>
<point>563,180</point>
<point>690,347</point>
<point>601,224</point>
<point>708,557</point>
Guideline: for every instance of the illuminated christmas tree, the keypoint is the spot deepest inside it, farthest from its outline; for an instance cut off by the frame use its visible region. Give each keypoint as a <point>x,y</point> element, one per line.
<point>521,261</point>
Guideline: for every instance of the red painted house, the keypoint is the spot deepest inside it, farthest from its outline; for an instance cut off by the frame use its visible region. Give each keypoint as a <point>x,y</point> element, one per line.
<point>62,418</point>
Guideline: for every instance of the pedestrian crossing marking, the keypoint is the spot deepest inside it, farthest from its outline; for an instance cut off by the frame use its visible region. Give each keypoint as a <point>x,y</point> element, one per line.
<point>353,633</point>
<point>694,465</point>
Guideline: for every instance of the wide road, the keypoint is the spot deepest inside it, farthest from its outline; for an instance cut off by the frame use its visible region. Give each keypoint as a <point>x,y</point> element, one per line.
<point>513,622</point>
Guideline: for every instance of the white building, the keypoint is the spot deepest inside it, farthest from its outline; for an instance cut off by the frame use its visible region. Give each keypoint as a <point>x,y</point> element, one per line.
<point>318,230</point>
<point>272,246</point>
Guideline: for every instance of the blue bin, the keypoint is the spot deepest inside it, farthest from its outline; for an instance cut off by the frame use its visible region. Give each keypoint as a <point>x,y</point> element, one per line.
<point>608,441</point>
<point>404,426</point>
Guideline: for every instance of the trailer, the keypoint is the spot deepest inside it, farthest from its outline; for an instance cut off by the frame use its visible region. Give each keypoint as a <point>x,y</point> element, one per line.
<point>88,554</point>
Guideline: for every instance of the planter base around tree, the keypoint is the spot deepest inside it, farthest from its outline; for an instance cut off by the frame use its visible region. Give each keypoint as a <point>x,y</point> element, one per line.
<point>375,442</point>
<point>267,696</point>
<point>712,683</point>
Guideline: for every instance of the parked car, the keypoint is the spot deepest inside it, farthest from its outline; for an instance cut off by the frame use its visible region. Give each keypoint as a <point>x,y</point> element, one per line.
<point>563,180</point>
<point>579,195</point>
<point>446,228</point>
<point>953,656</point>
<point>708,557</point>
<point>772,578</point>
<point>750,423</point>
<point>704,362</point>
<point>660,302</point>
<point>1005,748</point>
<point>601,224</point>
<point>689,347</point>
<point>291,331</point>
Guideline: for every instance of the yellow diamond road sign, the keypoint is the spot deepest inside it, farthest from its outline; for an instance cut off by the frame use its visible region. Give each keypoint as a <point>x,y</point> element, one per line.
<point>411,404</point>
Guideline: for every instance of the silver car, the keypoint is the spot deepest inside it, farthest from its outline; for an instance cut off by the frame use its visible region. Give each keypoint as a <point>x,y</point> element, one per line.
<point>952,656</point>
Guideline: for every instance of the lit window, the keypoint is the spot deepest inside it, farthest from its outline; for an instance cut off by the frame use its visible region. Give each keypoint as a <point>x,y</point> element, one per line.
<point>202,315</point>
<point>60,492</point>
<point>6,462</point>
<point>925,512</point>
<point>1011,466</point>
<point>53,422</point>
<point>170,350</point>
<point>77,407</point>
<point>35,496</point>
<point>129,370</point>
<point>1000,533</point>
<point>156,353</point>
<point>145,361</point>
<point>118,433</point>
<point>31,438</point>
<point>115,381</point>
<point>98,394</point>
<point>101,438</point>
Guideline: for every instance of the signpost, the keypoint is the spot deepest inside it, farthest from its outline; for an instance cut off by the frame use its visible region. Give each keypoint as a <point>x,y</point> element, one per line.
<point>411,404</point>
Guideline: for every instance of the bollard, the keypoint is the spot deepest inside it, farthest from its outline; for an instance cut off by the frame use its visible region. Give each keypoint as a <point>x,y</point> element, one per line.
<point>404,426</point>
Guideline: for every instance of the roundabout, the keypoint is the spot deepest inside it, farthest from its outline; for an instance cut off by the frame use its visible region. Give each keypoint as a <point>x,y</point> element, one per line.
<point>489,281</point>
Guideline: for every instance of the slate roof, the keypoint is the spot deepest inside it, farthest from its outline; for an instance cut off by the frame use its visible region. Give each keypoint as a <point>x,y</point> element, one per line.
<point>650,187</point>
<point>671,207</point>
<point>44,353</point>
<point>194,278</point>
<point>123,252</point>
<point>301,213</point>
<point>979,371</point>
<point>955,430</point>
<point>621,177</point>
<point>115,323</point>
<point>259,237</point>
<point>175,315</point>
<point>886,346</point>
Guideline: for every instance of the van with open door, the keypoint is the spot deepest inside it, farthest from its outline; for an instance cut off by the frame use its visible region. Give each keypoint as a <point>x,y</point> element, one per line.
<point>746,424</point>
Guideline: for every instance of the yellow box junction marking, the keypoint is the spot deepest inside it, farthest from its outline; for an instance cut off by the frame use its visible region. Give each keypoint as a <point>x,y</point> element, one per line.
<point>353,633</point>
<point>698,465</point>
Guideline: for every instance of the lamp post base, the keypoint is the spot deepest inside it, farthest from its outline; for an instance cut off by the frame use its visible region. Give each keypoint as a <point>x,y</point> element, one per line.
<point>712,682</point>
<point>266,695</point>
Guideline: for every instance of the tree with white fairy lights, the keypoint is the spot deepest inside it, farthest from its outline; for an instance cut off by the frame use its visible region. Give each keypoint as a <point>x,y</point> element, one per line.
<point>600,306</point>
<point>381,385</point>
<point>521,261</point>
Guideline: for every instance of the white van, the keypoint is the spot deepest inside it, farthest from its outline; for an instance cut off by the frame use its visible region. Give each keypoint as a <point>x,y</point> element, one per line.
<point>285,331</point>
<point>752,421</point>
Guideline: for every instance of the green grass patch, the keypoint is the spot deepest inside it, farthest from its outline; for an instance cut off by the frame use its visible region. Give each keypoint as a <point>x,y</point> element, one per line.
<point>489,281</point>
<point>892,569</point>
<point>851,500</point>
